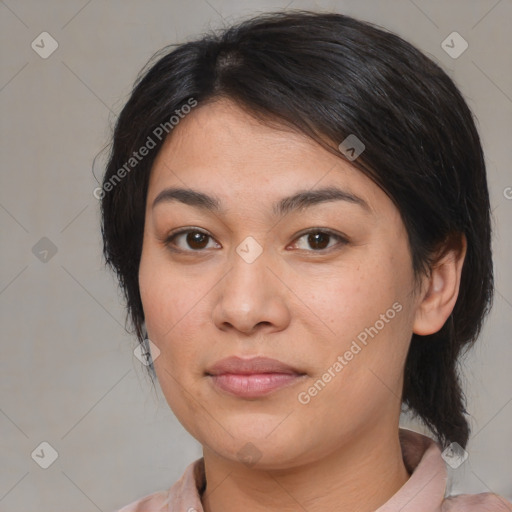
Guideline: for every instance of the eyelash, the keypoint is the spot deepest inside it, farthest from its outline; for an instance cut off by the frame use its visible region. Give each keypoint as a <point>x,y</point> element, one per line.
<point>342,240</point>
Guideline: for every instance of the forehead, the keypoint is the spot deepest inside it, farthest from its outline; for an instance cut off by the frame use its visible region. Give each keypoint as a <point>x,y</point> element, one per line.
<point>221,148</point>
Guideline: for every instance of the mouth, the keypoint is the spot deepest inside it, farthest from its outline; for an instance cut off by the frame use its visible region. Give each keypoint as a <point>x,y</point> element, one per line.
<point>252,378</point>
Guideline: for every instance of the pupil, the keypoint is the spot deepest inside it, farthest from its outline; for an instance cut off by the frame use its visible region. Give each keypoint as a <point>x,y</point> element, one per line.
<point>196,240</point>
<point>318,240</point>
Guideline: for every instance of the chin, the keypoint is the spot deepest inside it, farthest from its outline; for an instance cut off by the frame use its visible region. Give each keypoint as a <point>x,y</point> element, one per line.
<point>257,443</point>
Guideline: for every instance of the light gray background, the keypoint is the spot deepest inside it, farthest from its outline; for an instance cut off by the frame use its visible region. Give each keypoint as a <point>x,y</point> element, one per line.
<point>68,373</point>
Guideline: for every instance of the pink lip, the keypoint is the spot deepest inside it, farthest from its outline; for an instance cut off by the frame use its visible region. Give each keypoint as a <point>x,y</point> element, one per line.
<point>252,378</point>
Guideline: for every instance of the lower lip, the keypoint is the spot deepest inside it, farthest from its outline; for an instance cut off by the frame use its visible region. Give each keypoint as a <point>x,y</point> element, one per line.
<point>254,385</point>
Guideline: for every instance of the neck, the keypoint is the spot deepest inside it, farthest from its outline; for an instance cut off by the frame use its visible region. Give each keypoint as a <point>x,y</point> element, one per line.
<point>358,477</point>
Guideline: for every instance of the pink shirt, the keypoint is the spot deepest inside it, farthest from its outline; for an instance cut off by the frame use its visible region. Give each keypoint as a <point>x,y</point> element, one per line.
<point>423,492</point>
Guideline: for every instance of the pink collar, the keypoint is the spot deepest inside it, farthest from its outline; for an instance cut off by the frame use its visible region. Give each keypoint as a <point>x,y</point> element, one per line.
<point>423,492</point>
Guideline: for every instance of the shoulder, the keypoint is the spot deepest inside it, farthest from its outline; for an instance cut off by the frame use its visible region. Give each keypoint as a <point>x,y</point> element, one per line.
<point>486,502</point>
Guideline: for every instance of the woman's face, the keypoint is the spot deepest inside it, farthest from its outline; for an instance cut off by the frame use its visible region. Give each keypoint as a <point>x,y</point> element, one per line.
<point>321,282</point>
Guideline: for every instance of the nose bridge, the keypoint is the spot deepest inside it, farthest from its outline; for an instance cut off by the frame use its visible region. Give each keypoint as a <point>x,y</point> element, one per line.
<point>248,282</point>
<point>250,294</point>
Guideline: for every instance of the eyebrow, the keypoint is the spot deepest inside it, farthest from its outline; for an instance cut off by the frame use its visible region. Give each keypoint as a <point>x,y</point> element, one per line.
<point>301,199</point>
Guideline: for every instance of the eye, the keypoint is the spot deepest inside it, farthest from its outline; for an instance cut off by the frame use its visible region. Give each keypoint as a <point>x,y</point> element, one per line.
<point>190,240</point>
<point>195,240</point>
<point>319,240</point>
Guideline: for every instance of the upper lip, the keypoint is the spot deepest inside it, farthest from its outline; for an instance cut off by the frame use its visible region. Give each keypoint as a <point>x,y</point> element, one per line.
<point>254,365</point>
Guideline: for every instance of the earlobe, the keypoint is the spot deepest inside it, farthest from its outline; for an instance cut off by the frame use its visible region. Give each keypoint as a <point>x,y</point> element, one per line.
<point>441,289</point>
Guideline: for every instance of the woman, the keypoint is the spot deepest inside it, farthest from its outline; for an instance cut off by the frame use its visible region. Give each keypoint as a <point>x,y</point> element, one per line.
<point>298,214</point>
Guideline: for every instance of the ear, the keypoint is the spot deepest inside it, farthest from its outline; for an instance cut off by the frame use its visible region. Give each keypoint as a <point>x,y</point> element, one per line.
<point>440,289</point>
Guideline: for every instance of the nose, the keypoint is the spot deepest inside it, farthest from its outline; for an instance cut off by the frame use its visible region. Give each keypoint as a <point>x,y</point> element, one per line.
<point>251,298</point>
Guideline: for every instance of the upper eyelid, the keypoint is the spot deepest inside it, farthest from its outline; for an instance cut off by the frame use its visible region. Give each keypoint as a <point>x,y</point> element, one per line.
<point>328,231</point>
<point>341,238</point>
<point>184,231</point>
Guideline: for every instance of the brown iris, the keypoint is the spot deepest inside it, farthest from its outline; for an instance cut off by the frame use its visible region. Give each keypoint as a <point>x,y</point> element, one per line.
<point>318,240</point>
<point>197,240</point>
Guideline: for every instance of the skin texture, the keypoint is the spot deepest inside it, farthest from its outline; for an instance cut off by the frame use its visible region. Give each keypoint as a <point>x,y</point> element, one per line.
<point>296,303</point>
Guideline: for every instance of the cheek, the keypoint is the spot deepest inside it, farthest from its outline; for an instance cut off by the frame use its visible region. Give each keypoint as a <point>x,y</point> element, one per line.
<point>350,298</point>
<point>172,306</point>
<point>178,312</point>
<point>366,306</point>
<point>169,294</point>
